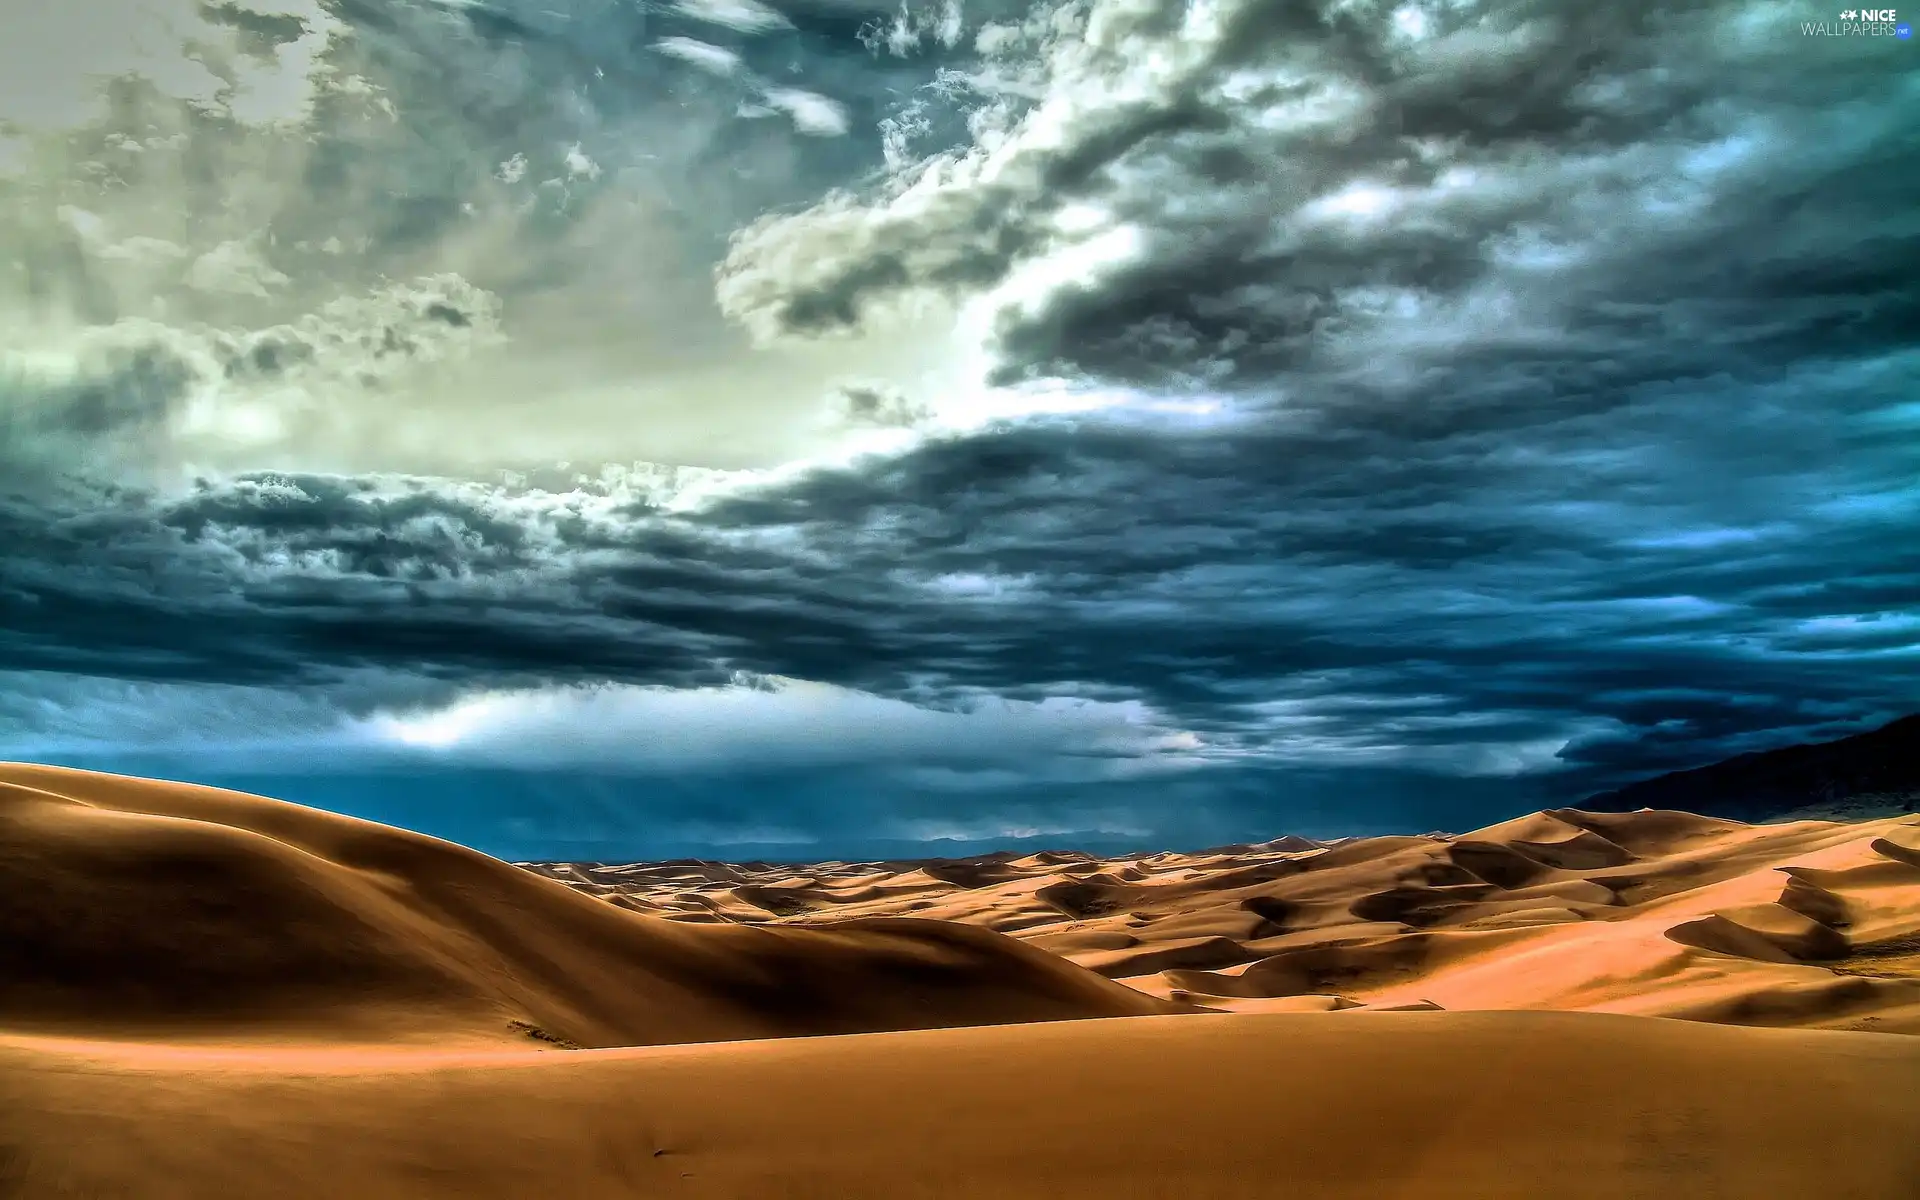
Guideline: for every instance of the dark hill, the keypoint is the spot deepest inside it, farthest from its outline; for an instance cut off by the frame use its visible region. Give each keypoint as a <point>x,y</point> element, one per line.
<point>1868,774</point>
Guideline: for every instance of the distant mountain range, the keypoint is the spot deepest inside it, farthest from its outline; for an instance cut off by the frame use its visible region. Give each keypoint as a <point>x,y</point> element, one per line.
<point>1867,775</point>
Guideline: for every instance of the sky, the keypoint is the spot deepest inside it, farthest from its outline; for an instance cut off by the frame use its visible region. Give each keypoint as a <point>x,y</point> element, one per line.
<point>607,429</point>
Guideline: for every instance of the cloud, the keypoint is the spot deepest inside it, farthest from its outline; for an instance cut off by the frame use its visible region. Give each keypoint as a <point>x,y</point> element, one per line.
<point>1334,200</point>
<point>878,405</point>
<point>1374,404</point>
<point>579,164</point>
<point>256,61</point>
<point>545,772</point>
<point>782,723</point>
<point>388,721</point>
<point>716,59</point>
<point>745,16</point>
<point>234,267</point>
<point>56,716</point>
<point>811,112</point>
<point>138,396</point>
<point>756,767</point>
<point>909,29</point>
<point>568,159</point>
<point>1313,593</point>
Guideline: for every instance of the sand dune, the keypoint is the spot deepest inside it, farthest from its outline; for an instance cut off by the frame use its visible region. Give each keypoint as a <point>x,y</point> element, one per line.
<point>1472,1106</point>
<point>204,994</point>
<point>1813,923</point>
<point>159,909</point>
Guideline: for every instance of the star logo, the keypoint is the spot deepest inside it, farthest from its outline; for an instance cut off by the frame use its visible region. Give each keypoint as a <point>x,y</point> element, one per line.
<point>1849,15</point>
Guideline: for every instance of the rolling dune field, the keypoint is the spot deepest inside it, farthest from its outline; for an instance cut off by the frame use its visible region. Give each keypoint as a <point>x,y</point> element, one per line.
<point>205,994</point>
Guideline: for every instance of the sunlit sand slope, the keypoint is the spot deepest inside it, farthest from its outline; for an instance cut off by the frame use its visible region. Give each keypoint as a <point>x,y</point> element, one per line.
<point>1473,1106</point>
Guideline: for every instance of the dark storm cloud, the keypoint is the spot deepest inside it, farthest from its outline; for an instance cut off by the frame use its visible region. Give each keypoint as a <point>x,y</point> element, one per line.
<point>1623,592</point>
<point>1420,202</point>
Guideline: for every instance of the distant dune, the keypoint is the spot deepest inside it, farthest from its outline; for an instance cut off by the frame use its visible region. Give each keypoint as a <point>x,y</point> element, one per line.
<point>204,994</point>
<point>1813,923</point>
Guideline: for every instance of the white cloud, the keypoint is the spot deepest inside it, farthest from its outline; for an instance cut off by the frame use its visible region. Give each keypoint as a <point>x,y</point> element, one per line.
<point>745,16</point>
<point>716,60</point>
<point>578,165</point>
<point>779,722</point>
<point>141,251</point>
<point>754,725</point>
<point>237,268</point>
<point>811,113</point>
<point>910,28</point>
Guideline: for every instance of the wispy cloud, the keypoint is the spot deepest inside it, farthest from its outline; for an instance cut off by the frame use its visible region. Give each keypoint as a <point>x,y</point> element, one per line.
<point>745,16</point>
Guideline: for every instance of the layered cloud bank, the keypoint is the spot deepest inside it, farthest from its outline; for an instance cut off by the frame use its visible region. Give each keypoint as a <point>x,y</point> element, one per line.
<point>1159,410</point>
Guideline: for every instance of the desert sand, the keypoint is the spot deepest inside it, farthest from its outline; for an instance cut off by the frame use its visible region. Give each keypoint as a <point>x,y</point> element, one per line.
<point>1810,923</point>
<point>204,994</point>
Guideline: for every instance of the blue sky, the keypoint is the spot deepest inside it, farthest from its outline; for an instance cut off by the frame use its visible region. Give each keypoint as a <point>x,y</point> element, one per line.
<point>598,429</point>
